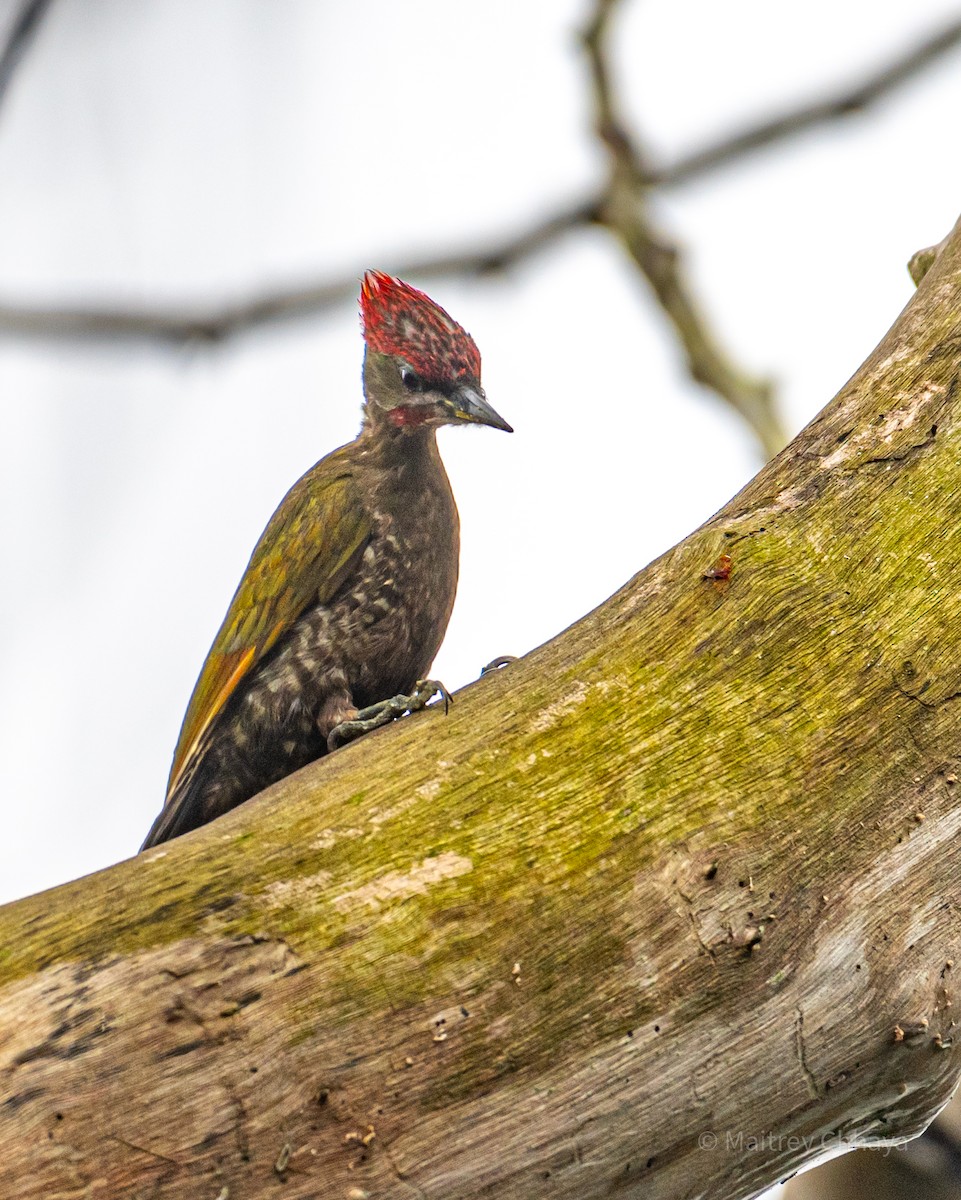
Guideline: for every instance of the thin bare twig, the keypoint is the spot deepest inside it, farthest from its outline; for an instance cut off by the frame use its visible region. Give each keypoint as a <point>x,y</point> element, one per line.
<point>847,103</point>
<point>22,32</point>
<point>624,212</point>
<point>215,324</point>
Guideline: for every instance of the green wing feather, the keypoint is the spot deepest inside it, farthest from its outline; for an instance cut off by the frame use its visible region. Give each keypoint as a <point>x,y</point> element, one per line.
<point>303,556</point>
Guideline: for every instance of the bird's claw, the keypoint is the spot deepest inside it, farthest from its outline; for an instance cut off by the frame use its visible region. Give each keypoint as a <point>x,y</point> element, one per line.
<point>385,711</point>
<point>424,691</point>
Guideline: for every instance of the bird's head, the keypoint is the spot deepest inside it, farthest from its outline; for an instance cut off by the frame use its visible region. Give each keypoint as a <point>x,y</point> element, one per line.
<point>420,367</point>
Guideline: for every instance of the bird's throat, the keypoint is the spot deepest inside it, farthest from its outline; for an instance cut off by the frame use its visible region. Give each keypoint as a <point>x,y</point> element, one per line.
<point>408,416</point>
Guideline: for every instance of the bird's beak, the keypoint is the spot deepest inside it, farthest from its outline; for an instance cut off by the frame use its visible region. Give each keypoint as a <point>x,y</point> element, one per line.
<point>470,404</point>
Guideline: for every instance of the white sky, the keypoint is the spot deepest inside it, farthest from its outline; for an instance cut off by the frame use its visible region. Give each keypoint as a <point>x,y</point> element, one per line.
<point>171,151</point>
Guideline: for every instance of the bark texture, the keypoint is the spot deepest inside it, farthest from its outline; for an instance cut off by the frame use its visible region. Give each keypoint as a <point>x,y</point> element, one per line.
<point>665,909</point>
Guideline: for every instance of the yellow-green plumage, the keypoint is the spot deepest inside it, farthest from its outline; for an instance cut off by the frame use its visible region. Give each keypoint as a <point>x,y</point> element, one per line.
<point>304,554</point>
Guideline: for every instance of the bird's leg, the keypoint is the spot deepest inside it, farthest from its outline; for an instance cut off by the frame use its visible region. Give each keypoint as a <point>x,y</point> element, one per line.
<point>386,711</point>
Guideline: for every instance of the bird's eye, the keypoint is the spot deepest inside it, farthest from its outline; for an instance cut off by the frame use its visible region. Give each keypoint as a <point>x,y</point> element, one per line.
<point>411,380</point>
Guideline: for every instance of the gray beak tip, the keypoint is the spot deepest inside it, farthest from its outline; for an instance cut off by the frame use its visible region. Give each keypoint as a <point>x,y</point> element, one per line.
<point>473,407</point>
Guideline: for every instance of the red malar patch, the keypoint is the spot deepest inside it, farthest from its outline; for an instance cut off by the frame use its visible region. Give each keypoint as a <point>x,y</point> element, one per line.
<point>409,416</point>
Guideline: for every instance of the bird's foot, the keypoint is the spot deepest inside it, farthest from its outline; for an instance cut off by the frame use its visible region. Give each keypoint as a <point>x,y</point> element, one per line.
<point>495,664</point>
<point>386,711</point>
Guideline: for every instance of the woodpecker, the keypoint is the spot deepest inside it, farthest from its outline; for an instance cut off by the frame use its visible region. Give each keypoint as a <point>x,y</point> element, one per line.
<point>347,595</point>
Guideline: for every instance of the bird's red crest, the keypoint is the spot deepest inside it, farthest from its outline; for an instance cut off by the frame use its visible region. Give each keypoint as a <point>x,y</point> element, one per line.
<point>398,319</point>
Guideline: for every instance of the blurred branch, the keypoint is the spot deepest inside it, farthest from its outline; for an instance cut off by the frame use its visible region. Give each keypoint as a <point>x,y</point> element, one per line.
<point>620,206</point>
<point>215,324</point>
<point>22,32</point>
<point>848,103</point>
<point>624,212</point>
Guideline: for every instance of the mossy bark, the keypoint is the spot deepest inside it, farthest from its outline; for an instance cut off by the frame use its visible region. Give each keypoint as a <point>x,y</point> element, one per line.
<point>666,908</point>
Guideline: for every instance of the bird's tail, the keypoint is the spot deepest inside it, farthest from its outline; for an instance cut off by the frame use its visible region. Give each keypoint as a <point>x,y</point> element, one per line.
<point>183,809</point>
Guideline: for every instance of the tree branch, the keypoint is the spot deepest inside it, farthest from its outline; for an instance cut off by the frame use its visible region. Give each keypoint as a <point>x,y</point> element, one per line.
<point>668,907</point>
<point>620,207</point>
<point>625,212</point>
<point>218,323</point>
<point>847,103</point>
<point>22,32</point>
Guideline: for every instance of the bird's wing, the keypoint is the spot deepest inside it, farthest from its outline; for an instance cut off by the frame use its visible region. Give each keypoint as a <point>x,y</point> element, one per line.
<point>303,556</point>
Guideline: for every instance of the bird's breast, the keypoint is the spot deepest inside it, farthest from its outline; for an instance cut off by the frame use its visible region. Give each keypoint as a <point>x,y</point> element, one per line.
<point>392,618</point>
